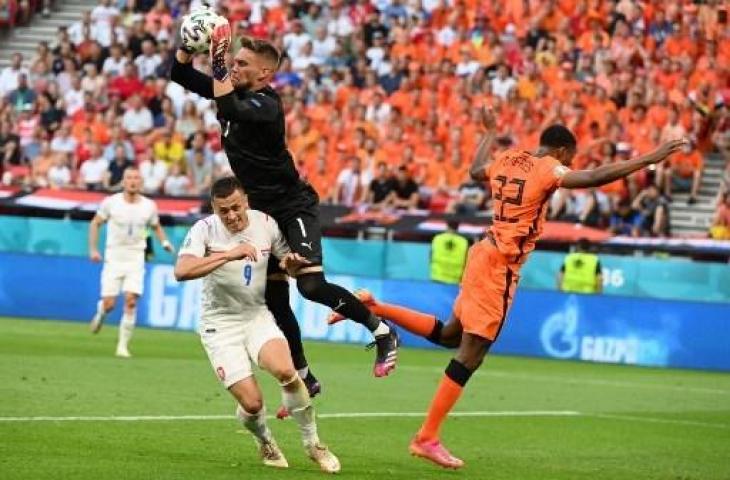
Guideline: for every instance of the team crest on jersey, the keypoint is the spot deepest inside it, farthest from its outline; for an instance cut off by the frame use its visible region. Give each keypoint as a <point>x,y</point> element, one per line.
<point>221,373</point>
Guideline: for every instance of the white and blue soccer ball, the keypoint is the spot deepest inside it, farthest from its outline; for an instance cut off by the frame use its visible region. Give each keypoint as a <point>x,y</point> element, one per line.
<point>196,29</point>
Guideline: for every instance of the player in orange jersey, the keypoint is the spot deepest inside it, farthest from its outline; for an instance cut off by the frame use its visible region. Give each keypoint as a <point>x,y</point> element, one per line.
<point>521,184</point>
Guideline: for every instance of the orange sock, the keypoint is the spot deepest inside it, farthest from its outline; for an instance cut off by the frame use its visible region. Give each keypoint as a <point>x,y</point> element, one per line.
<point>447,395</point>
<point>414,321</point>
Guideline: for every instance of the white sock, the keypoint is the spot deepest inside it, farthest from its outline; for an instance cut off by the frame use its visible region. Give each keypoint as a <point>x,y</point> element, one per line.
<point>303,372</point>
<point>300,408</point>
<point>100,312</point>
<point>255,423</point>
<point>126,328</point>
<point>382,329</point>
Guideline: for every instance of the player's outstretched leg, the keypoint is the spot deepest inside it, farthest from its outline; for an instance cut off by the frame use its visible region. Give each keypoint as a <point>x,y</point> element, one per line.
<point>103,307</point>
<point>418,323</point>
<point>314,287</point>
<point>426,443</point>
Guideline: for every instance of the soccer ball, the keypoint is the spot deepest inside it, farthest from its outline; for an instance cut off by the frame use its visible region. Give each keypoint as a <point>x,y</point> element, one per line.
<point>196,28</point>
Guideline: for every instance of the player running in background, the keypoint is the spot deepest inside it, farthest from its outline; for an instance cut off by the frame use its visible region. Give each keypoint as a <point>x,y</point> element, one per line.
<point>128,214</point>
<point>253,130</point>
<point>521,184</point>
<point>231,250</point>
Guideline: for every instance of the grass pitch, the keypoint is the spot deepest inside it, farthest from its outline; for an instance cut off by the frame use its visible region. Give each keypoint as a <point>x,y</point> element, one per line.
<point>533,419</point>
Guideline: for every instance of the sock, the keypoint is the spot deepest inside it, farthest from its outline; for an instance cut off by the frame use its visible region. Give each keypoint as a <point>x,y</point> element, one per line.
<point>447,394</point>
<point>277,300</point>
<point>100,312</point>
<point>255,423</point>
<point>314,287</point>
<point>414,321</point>
<point>303,372</point>
<point>296,400</point>
<point>383,329</point>
<point>126,328</point>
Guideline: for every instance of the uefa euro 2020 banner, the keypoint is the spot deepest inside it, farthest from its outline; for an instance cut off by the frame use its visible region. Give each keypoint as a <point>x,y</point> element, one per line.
<point>597,328</point>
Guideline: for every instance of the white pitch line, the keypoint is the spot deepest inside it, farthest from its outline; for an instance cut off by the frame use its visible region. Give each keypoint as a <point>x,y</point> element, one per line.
<point>579,381</point>
<point>669,421</point>
<point>155,418</point>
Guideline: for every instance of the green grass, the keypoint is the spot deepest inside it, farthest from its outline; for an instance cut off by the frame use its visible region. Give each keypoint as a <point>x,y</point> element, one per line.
<point>634,423</point>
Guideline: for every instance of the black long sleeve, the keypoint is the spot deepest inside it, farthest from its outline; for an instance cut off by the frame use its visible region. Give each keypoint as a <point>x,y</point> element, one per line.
<point>250,107</point>
<point>188,77</point>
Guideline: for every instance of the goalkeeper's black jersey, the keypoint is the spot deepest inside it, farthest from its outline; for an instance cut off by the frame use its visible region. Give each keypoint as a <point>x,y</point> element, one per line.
<point>253,134</point>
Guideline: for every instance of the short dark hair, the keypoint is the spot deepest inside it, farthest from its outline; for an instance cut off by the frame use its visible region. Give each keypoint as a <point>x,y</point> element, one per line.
<point>583,244</point>
<point>224,187</point>
<point>557,136</point>
<point>263,48</point>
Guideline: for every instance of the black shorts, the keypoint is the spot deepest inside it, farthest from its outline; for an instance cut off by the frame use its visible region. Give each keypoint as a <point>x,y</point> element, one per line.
<point>297,214</point>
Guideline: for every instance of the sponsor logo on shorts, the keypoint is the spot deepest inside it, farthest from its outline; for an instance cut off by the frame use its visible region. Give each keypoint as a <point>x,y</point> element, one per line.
<point>221,373</point>
<point>307,244</point>
<point>210,330</point>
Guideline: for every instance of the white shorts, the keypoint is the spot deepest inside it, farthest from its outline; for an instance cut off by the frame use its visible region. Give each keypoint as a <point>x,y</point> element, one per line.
<point>234,343</point>
<point>125,277</point>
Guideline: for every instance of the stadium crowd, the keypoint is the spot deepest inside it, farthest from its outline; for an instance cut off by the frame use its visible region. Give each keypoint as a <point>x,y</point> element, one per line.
<point>383,98</point>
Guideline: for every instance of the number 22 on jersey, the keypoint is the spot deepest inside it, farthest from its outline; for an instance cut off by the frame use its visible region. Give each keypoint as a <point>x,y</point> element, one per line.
<point>502,200</point>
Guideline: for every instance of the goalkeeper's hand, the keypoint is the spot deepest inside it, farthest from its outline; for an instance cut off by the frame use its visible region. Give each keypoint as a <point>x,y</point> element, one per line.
<point>292,262</point>
<point>220,42</point>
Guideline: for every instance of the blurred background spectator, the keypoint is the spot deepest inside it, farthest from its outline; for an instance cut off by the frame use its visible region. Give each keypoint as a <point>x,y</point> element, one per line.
<point>382,99</point>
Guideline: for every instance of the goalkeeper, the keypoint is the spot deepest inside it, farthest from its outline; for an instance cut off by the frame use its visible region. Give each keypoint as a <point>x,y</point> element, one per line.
<point>253,131</point>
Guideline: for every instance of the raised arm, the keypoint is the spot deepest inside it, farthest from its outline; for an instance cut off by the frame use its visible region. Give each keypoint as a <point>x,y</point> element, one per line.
<point>482,157</point>
<point>608,173</point>
<point>184,74</point>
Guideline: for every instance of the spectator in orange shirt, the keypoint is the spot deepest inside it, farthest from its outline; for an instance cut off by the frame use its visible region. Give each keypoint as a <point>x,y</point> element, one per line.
<point>684,173</point>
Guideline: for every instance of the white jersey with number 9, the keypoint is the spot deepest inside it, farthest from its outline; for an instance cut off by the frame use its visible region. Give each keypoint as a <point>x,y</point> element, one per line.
<point>238,287</point>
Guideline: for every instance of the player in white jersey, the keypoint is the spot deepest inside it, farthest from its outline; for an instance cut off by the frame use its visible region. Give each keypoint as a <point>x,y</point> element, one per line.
<point>230,250</point>
<point>128,215</point>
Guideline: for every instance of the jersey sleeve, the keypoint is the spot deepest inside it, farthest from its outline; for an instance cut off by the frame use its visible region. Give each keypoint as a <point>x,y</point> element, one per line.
<point>154,219</point>
<point>554,173</point>
<point>191,79</point>
<point>105,208</point>
<point>195,241</point>
<point>279,246</point>
<point>249,107</point>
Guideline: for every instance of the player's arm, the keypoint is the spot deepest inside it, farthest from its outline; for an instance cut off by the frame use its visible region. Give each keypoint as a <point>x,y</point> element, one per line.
<point>162,237</point>
<point>195,260</point>
<point>94,226</point>
<point>190,267</point>
<point>482,157</point>
<point>608,173</point>
<point>154,221</point>
<point>184,74</point>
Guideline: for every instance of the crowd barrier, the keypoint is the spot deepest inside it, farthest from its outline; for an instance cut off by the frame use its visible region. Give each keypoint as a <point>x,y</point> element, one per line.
<point>643,277</point>
<point>598,328</point>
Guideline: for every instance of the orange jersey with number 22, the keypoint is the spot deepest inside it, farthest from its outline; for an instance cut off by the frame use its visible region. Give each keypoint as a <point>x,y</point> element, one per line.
<point>521,185</point>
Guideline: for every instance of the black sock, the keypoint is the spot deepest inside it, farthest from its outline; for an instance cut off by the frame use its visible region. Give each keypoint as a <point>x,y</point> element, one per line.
<point>277,300</point>
<point>435,335</point>
<point>314,287</point>
<point>458,372</point>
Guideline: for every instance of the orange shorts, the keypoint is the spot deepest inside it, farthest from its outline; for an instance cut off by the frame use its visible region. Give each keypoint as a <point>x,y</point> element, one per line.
<point>487,289</point>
